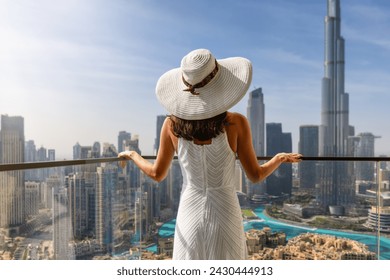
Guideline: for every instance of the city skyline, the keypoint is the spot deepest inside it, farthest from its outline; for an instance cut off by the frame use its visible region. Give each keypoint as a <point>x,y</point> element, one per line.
<point>83,72</point>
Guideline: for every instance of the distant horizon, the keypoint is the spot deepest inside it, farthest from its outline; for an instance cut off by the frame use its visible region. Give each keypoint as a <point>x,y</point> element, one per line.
<point>80,72</point>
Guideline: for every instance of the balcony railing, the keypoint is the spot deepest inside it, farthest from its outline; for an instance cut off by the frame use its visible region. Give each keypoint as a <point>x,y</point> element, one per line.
<point>91,208</point>
<point>62,163</point>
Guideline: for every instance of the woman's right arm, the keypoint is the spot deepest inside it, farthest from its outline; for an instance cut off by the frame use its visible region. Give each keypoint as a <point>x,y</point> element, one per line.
<point>247,156</point>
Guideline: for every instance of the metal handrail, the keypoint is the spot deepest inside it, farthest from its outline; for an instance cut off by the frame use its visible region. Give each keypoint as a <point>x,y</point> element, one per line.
<point>61,163</point>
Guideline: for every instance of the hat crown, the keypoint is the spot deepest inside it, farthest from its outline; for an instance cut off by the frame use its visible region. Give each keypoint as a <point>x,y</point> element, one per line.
<point>215,85</point>
<point>196,65</point>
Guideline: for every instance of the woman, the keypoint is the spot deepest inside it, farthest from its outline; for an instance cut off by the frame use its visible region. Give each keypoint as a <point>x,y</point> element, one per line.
<point>207,138</point>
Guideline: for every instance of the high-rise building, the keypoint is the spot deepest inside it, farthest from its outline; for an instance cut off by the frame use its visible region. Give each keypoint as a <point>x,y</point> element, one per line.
<point>30,151</point>
<point>61,225</point>
<point>147,208</point>
<point>43,173</point>
<point>30,155</point>
<point>159,124</point>
<point>81,197</point>
<point>51,154</point>
<point>364,146</point>
<point>83,152</point>
<point>54,181</point>
<point>77,151</point>
<point>334,129</point>
<point>31,198</point>
<point>109,150</point>
<point>280,182</point>
<point>42,154</point>
<point>335,181</point>
<point>122,137</point>
<point>255,115</point>
<point>308,146</point>
<point>12,191</point>
<point>106,185</point>
<point>96,150</point>
<point>133,173</point>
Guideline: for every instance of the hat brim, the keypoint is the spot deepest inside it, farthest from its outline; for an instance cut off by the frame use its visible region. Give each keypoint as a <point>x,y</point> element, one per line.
<point>224,91</point>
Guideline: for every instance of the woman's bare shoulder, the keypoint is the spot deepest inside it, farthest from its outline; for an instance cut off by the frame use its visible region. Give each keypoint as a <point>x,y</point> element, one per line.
<point>167,129</point>
<point>234,118</point>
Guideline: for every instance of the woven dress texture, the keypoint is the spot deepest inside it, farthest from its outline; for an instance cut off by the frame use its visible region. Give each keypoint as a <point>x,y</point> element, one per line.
<point>209,223</point>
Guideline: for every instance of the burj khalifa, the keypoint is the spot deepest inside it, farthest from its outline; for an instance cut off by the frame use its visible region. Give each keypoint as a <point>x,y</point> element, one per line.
<point>335,190</point>
<point>334,129</point>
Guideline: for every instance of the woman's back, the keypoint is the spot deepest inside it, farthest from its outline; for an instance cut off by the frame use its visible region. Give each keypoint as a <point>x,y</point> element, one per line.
<point>207,166</point>
<point>209,215</point>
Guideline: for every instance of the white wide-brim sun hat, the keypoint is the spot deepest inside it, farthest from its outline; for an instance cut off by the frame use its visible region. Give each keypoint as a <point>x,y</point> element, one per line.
<point>203,87</point>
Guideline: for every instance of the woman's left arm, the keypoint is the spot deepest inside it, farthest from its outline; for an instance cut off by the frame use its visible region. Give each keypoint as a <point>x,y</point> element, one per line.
<point>157,170</point>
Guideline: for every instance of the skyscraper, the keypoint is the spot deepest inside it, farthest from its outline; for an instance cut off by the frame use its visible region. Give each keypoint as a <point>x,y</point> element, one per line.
<point>76,188</point>
<point>133,173</point>
<point>54,181</point>
<point>96,150</point>
<point>43,173</point>
<point>159,123</point>
<point>31,205</point>
<point>30,155</point>
<point>308,146</point>
<point>365,147</point>
<point>255,115</point>
<point>12,182</point>
<point>106,184</point>
<point>61,224</point>
<point>280,182</point>
<point>122,137</point>
<point>334,129</point>
<point>336,183</point>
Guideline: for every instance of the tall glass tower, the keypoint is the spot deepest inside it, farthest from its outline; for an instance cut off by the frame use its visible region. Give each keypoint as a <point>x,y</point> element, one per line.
<point>335,190</point>
<point>255,114</point>
<point>334,127</point>
<point>308,146</point>
<point>280,182</point>
<point>365,147</point>
<point>12,190</point>
<point>122,136</point>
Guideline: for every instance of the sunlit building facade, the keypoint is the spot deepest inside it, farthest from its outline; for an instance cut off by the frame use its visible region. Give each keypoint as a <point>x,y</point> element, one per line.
<point>12,191</point>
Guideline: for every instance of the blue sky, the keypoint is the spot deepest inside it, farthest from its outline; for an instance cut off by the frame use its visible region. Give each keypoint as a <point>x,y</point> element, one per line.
<point>81,71</point>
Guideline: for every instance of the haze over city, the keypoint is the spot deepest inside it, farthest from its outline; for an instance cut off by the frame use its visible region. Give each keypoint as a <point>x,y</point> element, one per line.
<point>81,71</point>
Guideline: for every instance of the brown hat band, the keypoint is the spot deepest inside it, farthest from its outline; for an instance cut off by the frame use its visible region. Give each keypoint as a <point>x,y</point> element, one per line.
<point>205,81</point>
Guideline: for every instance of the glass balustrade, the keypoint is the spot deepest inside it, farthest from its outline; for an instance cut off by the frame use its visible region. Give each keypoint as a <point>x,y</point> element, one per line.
<point>89,209</point>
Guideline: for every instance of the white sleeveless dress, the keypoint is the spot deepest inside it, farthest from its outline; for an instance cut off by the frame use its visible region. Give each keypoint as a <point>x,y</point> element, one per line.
<point>209,223</point>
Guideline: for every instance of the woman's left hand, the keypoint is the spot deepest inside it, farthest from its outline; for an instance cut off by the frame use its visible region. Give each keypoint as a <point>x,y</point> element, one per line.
<point>126,155</point>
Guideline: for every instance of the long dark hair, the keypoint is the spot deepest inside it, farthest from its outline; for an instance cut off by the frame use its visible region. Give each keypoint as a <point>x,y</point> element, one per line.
<point>201,130</point>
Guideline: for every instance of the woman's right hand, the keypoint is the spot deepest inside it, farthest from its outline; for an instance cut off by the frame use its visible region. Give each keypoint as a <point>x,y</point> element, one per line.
<point>289,157</point>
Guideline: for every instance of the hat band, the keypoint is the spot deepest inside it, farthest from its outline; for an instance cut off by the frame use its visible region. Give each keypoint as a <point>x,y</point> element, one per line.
<point>205,81</point>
